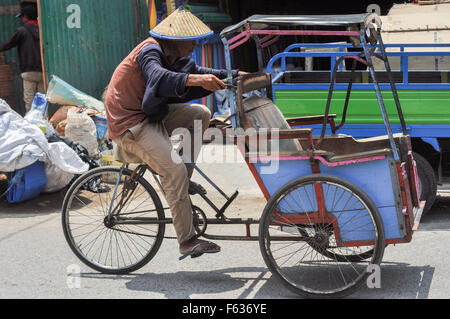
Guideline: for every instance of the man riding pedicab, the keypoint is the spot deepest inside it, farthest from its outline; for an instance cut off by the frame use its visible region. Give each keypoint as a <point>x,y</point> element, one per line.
<point>148,98</point>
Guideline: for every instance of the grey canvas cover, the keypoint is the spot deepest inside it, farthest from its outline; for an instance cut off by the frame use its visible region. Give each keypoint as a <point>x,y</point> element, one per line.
<point>263,114</point>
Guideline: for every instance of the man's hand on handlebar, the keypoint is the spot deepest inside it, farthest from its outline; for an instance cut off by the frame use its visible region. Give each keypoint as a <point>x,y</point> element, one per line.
<point>207,81</point>
<point>210,82</point>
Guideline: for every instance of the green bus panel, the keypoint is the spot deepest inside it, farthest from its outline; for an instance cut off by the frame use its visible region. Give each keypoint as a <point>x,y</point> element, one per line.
<point>86,54</point>
<point>419,107</point>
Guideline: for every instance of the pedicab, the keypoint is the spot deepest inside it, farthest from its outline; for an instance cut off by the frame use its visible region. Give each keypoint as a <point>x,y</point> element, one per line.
<point>333,202</point>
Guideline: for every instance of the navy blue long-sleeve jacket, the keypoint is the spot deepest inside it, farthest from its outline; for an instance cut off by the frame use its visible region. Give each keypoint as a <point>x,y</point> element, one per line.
<point>166,83</point>
<point>26,38</point>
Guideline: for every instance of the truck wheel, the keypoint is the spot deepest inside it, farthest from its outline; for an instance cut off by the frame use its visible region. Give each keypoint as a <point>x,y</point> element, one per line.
<point>427,181</point>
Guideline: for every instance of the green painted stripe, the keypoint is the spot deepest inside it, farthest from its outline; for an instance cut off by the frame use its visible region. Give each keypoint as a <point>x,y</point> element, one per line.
<point>419,107</point>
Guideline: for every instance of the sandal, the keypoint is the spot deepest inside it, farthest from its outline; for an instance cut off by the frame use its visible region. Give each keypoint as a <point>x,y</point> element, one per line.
<point>195,189</point>
<point>195,252</point>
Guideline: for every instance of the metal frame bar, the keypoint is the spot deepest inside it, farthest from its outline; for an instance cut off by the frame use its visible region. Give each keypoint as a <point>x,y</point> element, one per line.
<point>347,98</point>
<point>380,97</point>
<point>427,131</point>
<point>404,67</point>
<point>391,81</point>
<point>259,53</point>
<point>360,86</point>
<point>244,36</point>
<point>234,119</point>
<point>269,40</point>
<point>401,46</point>
<point>331,90</point>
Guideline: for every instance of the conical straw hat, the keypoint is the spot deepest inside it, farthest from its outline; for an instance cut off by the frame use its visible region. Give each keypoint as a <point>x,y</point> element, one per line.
<point>181,25</point>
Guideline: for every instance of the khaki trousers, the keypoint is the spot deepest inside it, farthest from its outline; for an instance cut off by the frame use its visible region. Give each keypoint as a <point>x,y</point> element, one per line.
<point>32,83</point>
<point>151,143</point>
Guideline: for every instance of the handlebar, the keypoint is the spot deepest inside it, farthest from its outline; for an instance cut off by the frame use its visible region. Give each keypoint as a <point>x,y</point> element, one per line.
<point>233,86</point>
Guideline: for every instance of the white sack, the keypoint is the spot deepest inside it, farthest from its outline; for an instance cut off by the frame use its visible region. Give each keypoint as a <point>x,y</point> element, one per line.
<point>23,143</point>
<point>81,129</point>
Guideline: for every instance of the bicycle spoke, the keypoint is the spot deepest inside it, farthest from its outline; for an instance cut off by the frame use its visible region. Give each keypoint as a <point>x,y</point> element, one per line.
<point>318,262</point>
<point>96,237</point>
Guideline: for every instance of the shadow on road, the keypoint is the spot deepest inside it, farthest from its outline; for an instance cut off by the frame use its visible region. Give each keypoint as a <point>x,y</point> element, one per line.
<point>438,218</point>
<point>184,284</point>
<point>41,205</point>
<point>398,280</point>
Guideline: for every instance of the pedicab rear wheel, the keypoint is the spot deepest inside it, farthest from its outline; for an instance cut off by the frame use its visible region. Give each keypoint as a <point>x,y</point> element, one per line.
<point>310,258</point>
<point>103,243</point>
<point>351,257</point>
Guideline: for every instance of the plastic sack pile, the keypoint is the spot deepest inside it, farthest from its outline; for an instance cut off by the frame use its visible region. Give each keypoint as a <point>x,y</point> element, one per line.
<point>80,117</point>
<point>23,143</point>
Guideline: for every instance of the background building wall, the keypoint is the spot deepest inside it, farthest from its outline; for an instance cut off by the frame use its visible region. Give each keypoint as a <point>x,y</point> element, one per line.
<point>84,41</point>
<point>8,23</point>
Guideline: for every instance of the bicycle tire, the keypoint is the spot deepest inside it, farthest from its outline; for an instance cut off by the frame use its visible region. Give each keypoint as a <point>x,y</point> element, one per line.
<point>427,180</point>
<point>72,243</point>
<point>265,243</point>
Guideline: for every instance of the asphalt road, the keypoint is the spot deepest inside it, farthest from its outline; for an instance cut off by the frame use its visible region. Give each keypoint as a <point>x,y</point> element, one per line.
<point>36,260</point>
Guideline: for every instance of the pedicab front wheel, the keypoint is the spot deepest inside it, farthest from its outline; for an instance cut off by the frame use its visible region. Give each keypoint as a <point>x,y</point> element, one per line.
<point>313,253</point>
<point>110,221</point>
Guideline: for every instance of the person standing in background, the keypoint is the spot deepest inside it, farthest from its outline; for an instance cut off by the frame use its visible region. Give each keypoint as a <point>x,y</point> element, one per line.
<point>26,39</point>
